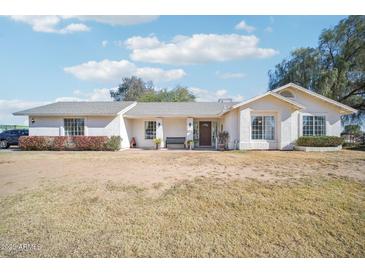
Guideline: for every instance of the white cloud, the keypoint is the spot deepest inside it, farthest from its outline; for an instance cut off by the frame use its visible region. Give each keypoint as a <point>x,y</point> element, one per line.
<point>118,20</point>
<point>39,23</point>
<point>159,75</point>
<point>221,93</point>
<point>104,43</point>
<point>74,28</point>
<point>139,42</point>
<point>244,26</point>
<point>100,94</point>
<point>203,95</point>
<point>8,107</point>
<point>50,24</point>
<point>198,48</point>
<point>111,71</point>
<point>231,75</point>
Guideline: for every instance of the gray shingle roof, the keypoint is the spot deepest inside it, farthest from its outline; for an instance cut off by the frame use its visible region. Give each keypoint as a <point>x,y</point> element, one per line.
<point>160,109</point>
<point>196,109</point>
<point>77,108</point>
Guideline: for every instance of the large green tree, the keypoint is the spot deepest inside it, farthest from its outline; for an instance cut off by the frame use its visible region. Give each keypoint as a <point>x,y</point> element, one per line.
<point>178,94</point>
<point>135,89</point>
<point>131,89</point>
<point>335,68</point>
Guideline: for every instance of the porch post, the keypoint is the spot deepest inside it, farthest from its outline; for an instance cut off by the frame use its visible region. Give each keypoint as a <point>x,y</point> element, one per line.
<point>159,131</point>
<point>189,129</point>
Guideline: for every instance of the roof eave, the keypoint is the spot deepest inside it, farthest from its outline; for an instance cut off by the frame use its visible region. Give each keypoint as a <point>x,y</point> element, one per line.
<point>64,114</point>
<point>170,116</point>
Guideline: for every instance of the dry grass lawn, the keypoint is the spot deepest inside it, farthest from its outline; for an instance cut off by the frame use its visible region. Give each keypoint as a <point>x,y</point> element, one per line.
<point>182,204</point>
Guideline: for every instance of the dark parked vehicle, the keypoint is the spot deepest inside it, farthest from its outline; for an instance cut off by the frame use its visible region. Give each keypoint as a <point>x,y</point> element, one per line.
<point>11,137</point>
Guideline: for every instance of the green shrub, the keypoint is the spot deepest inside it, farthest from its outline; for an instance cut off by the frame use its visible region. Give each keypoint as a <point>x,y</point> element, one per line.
<point>319,141</point>
<point>157,141</point>
<point>113,143</point>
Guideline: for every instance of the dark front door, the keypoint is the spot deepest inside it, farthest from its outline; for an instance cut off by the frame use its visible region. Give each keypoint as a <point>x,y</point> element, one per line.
<point>205,133</point>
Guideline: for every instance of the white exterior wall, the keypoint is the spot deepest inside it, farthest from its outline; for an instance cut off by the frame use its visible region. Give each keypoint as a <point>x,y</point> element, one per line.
<point>102,126</point>
<point>189,129</point>
<point>45,126</point>
<point>245,125</point>
<point>125,132</point>
<point>315,106</point>
<point>160,134</point>
<point>174,127</point>
<point>94,126</point>
<point>231,124</point>
<point>137,132</point>
<point>334,124</point>
<point>285,116</point>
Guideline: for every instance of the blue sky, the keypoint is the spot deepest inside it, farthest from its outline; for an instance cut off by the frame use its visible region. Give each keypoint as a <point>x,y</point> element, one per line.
<point>80,58</point>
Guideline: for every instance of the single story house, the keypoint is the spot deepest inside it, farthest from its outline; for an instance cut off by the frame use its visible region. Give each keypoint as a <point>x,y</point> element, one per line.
<point>273,120</point>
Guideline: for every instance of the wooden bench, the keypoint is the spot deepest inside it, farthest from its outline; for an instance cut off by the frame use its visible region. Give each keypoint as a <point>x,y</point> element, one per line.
<point>175,141</point>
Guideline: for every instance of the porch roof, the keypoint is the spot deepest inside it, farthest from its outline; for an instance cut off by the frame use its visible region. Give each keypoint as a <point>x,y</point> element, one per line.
<point>179,109</point>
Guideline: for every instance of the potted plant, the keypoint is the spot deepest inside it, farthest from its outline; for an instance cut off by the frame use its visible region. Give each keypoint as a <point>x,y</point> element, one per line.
<point>190,144</point>
<point>157,142</point>
<point>222,140</point>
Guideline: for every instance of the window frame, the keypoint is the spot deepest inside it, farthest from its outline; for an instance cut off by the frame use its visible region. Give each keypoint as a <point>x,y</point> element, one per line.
<point>74,118</point>
<point>264,129</point>
<point>315,130</point>
<point>154,130</point>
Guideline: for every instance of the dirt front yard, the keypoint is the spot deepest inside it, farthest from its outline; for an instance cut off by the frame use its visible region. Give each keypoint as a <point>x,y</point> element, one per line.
<point>182,204</point>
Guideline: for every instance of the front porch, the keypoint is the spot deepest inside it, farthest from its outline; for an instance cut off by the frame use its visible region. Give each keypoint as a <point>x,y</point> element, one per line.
<point>202,131</point>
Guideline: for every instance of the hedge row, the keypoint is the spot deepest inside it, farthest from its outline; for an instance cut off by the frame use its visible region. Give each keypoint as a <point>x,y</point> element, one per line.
<point>319,141</point>
<point>69,143</point>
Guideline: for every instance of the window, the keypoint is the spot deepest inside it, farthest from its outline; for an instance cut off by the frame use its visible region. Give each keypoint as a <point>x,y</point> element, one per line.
<point>287,94</point>
<point>74,126</point>
<point>314,125</point>
<point>263,128</point>
<point>150,129</point>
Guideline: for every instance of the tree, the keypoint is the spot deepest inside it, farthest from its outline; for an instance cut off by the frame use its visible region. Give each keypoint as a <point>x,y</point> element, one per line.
<point>302,68</point>
<point>178,94</point>
<point>353,129</point>
<point>131,89</point>
<point>135,89</point>
<point>335,68</point>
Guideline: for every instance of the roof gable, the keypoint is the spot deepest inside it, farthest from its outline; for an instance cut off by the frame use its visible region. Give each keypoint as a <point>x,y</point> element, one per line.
<point>346,109</point>
<point>276,95</point>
